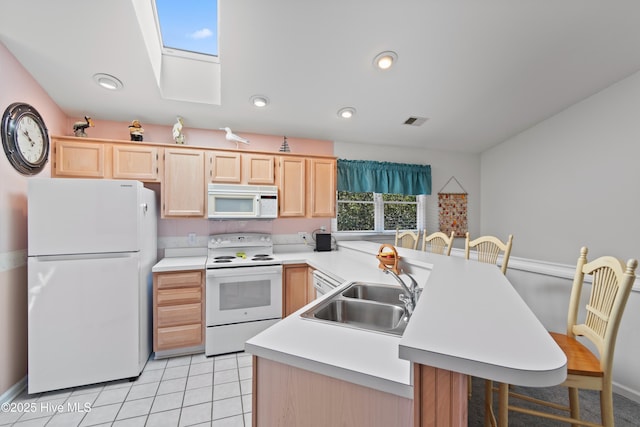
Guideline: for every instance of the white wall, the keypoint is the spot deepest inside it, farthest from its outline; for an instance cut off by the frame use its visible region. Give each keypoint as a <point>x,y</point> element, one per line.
<point>572,181</point>
<point>444,164</point>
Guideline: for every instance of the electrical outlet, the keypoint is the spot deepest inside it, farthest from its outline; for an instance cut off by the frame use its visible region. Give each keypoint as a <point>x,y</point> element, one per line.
<point>323,228</point>
<point>191,238</point>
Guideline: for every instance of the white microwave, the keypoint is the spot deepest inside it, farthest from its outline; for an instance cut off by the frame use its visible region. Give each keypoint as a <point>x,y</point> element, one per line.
<point>228,201</point>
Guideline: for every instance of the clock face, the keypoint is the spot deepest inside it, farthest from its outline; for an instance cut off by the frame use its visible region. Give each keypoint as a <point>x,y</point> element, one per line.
<point>24,138</point>
<point>30,139</point>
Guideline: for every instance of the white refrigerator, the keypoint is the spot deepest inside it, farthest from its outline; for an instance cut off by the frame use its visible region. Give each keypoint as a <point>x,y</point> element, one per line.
<point>91,246</point>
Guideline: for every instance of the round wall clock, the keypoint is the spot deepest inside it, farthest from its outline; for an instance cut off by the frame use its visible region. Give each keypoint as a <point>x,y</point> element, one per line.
<point>24,138</point>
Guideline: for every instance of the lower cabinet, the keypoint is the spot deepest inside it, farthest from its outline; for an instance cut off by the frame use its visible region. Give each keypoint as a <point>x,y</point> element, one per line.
<point>297,287</point>
<point>284,395</point>
<point>178,310</point>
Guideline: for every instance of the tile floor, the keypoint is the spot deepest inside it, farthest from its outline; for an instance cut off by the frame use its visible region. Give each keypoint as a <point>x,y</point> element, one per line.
<point>180,391</point>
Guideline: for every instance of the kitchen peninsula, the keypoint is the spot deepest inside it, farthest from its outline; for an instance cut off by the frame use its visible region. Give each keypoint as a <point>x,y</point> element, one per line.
<point>468,321</point>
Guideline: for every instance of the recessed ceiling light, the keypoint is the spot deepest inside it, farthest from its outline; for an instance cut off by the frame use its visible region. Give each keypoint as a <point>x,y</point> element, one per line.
<point>385,60</point>
<point>346,112</point>
<point>107,81</point>
<point>259,101</point>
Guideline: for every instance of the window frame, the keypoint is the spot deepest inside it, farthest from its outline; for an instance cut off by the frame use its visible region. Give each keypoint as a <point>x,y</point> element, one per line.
<point>378,209</point>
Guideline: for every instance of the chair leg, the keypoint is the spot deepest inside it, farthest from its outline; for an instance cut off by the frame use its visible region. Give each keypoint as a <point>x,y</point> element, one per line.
<point>503,405</point>
<point>489,419</point>
<point>574,404</point>
<point>606,406</point>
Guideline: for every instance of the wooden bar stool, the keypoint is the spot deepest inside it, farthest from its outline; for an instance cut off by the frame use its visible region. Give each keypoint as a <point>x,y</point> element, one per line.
<point>437,243</point>
<point>612,283</point>
<point>407,239</point>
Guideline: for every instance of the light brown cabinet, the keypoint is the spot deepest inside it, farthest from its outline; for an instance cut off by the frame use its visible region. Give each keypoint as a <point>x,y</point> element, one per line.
<point>178,310</point>
<point>291,186</point>
<point>85,158</point>
<point>307,186</point>
<point>297,287</point>
<point>78,159</point>
<point>183,184</point>
<point>136,162</point>
<point>259,169</point>
<point>224,166</point>
<point>321,193</point>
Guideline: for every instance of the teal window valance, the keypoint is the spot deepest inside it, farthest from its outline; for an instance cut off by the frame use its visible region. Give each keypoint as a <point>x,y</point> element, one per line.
<point>364,176</point>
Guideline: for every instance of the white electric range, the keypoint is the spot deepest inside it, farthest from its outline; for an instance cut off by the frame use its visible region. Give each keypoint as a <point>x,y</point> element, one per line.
<point>243,290</point>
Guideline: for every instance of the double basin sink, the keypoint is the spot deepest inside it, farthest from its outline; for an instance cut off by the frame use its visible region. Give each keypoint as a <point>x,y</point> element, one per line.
<point>370,306</point>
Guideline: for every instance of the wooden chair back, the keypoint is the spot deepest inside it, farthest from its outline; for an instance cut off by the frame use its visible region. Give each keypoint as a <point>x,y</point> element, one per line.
<point>407,239</point>
<point>488,248</point>
<point>610,289</point>
<point>438,242</point>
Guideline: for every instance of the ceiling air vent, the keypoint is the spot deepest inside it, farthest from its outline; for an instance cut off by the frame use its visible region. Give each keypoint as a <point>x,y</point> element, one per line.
<point>415,121</point>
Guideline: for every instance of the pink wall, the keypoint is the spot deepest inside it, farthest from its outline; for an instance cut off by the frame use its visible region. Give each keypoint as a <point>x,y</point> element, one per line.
<point>202,137</point>
<point>17,85</point>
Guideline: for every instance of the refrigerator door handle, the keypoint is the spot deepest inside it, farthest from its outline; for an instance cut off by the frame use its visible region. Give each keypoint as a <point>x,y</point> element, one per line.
<point>78,257</point>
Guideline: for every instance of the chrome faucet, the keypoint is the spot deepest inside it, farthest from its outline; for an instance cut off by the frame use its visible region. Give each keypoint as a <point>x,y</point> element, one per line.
<point>412,293</point>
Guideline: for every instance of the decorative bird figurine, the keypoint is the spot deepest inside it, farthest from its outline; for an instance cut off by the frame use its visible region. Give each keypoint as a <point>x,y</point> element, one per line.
<point>79,127</point>
<point>178,136</point>
<point>230,136</point>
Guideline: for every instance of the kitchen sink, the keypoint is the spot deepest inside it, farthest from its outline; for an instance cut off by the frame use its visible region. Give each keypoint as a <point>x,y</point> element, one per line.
<point>372,307</point>
<point>374,292</point>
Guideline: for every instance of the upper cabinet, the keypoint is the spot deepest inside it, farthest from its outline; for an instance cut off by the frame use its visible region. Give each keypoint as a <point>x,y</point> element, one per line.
<point>259,169</point>
<point>291,186</point>
<point>183,184</point>
<point>307,186</point>
<point>85,158</point>
<point>224,166</point>
<point>240,168</point>
<point>321,193</point>
<point>78,159</point>
<point>136,162</point>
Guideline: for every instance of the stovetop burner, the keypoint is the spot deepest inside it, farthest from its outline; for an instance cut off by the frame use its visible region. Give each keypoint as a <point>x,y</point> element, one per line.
<point>240,250</point>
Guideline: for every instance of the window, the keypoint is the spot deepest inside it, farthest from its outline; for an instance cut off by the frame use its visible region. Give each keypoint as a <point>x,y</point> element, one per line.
<point>379,212</point>
<point>189,25</point>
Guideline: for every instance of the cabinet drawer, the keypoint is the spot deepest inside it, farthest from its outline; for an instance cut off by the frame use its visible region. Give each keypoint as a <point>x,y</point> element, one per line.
<point>179,336</point>
<point>179,296</point>
<point>175,315</point>
<point>179,279</point>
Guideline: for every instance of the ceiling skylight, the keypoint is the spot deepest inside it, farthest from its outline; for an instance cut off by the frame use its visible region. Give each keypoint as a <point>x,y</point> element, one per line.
<point>189,25</point>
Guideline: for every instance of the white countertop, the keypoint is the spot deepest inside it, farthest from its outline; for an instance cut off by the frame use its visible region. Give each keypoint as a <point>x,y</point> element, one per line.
<point>469,320</point>
<point>180,263</point>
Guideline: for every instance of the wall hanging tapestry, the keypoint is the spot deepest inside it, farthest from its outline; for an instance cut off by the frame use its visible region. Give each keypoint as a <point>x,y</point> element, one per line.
<point>452,209</point>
